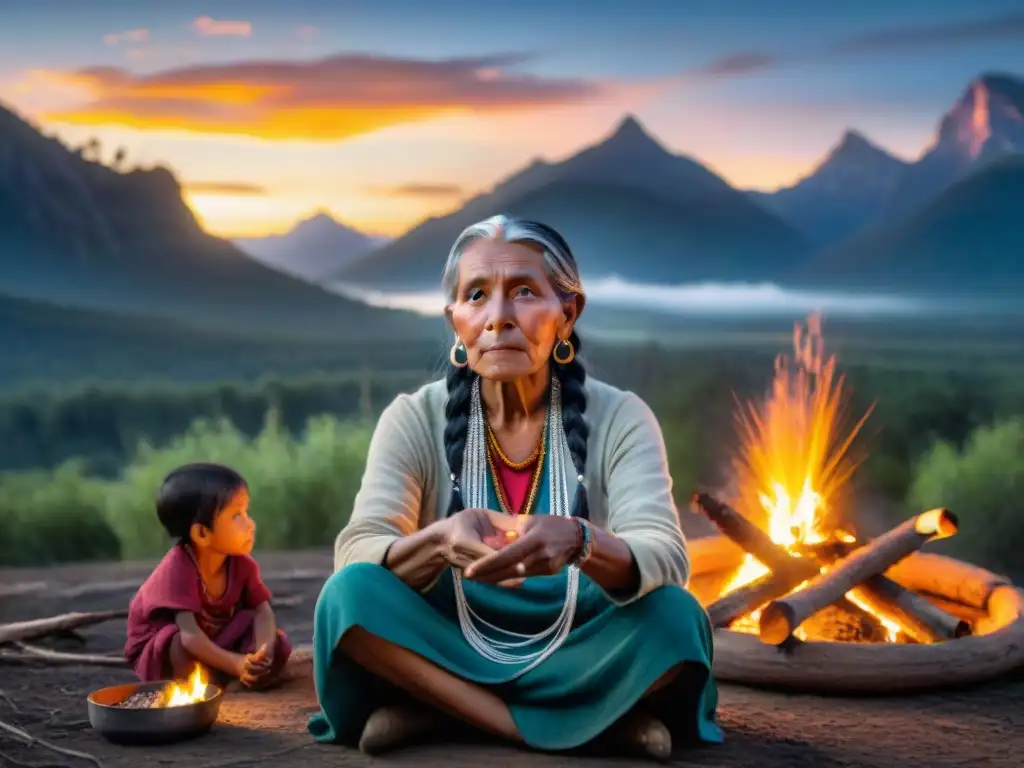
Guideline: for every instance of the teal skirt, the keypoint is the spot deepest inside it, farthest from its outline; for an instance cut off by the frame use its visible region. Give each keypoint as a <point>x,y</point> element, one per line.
<point>609,660</point>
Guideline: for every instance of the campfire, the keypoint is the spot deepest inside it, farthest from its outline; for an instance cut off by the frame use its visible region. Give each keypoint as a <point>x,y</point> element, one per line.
<point>804,575</point>
<point>791,573</point>
<point>174,694</point>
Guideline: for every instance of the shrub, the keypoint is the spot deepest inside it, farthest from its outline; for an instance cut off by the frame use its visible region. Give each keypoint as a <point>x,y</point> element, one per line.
<point>49,517</point>
<point>302,492</point>
<point>302,487</point>
<point>983,483</point>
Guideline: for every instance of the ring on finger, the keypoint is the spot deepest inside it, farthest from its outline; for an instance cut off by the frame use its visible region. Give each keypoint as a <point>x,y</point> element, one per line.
<point>521,568</point>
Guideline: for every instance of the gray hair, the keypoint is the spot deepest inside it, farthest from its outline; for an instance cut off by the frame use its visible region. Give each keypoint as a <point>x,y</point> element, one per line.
<point>559,263</point>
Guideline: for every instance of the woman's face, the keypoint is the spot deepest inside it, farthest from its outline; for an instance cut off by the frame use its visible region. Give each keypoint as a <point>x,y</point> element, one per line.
<point>506,311</point>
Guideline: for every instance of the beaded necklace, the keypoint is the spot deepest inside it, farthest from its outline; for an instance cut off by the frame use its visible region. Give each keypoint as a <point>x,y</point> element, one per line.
<point>474,487</point>
<point>536,459</point>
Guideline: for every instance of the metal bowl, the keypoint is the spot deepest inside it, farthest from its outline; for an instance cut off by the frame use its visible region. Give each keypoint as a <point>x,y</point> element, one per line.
<point>159,725</point>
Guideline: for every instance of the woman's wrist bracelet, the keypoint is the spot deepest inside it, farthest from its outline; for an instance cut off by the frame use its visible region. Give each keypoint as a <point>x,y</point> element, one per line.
<point>586,542</point>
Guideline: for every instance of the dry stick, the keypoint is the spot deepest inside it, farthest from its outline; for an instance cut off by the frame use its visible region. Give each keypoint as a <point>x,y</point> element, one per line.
<point>32,630</point>
<point>30,653</point>
<point>781,617</point>
<point>31,740</point>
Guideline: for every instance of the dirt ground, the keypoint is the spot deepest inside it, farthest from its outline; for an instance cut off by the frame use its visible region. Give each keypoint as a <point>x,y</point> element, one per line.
<point>978,727</point>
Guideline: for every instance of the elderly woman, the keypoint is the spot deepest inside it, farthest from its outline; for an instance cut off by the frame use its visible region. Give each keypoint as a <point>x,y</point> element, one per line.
<point>514,559</point>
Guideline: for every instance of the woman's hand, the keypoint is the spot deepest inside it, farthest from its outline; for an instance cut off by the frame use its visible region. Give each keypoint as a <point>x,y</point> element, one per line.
<point>544,545</point>
<point>473,534</point>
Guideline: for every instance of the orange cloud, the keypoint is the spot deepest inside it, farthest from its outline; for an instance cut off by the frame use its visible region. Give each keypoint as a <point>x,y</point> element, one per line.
<point>209,27</point>
<point>140,35</point>
<point>224,188</point>
<point>415,189</point>
<point>327,99</point>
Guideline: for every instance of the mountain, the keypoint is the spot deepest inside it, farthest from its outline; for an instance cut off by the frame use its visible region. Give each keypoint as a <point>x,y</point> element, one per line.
<point>83,234</point>
<point>841,195</point>
<point>313,249</point>
<point>627,206</point>
<point>987,122</point>
<point>968,240</point>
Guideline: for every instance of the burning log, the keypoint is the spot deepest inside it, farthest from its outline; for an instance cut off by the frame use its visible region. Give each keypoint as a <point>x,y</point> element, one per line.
<point>713,554</point>
<point>781,617</point>
<point>750,597</point>
<point>920,619</point>
<point>950,579</point>
<point>751,538</point>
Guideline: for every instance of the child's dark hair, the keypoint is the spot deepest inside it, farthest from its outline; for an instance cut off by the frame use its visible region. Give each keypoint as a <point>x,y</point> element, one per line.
<point>195,493</point>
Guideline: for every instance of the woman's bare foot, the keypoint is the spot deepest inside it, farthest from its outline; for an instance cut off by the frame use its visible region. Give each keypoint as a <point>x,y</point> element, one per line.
<point>642,734</point>
<point>393,727</point>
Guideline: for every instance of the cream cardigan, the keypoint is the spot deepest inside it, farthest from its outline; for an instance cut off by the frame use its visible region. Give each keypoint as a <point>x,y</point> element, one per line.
<point>406,483</point>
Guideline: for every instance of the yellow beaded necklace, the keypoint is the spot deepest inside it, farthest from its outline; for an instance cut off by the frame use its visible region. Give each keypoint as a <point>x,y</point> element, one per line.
<point>536,458</point>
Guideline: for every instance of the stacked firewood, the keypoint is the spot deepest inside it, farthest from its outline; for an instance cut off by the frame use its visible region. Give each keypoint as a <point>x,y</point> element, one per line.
<point>802,584</point>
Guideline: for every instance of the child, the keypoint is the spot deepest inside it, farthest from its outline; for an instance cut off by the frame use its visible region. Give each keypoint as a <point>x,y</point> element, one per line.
<point>205,602</point>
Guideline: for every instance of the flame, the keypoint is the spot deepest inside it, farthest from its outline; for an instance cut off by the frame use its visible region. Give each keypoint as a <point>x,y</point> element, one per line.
<point>794,460</point>
<point>191,692</point>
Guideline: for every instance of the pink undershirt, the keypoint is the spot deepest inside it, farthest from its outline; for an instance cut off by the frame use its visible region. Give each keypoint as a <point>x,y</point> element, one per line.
<point>515,483</point>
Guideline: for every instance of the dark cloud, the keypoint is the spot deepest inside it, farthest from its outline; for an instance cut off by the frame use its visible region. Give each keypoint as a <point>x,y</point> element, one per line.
<point>894,40</point>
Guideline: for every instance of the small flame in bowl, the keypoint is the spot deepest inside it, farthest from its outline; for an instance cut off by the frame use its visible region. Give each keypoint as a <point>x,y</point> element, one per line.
<point>192,692</point>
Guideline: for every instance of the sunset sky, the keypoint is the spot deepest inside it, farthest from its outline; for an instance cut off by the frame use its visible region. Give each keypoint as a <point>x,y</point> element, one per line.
<point>386,111</point>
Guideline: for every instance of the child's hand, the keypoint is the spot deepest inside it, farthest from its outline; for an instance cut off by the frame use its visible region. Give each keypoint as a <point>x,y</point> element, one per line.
<point>256,666</point>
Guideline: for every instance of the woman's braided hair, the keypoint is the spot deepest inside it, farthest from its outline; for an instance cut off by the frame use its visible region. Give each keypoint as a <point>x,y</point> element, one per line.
<point>560,265</point>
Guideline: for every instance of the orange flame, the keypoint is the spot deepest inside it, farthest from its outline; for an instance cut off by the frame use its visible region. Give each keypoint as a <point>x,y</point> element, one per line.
<point>793,459</point>
<point>191,692</point>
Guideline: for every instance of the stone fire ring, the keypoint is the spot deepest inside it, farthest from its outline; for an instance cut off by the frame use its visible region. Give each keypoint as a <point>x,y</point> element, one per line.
<point>993,604</point>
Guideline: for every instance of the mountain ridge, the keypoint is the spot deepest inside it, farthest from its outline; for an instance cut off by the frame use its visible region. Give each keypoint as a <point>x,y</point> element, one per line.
<point>313,248</point>
<point>633,164</point>
<point>985,122</point>
<point>968,239</point>
<point>78,232</point>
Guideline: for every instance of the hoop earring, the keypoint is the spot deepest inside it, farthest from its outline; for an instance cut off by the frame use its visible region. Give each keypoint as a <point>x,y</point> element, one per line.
<point>567,350</point>
<point>458,350</point>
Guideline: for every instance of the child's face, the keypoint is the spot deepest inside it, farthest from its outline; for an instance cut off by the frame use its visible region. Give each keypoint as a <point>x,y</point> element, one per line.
<point>233,532</point>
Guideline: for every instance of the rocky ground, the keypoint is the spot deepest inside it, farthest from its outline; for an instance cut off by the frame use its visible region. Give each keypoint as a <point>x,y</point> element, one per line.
<point>978,727</point>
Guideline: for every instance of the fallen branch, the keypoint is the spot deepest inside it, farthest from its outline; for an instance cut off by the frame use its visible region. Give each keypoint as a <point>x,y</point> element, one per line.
<point>30,740</point>
<point>29,653</point>
<point>20,631</point>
